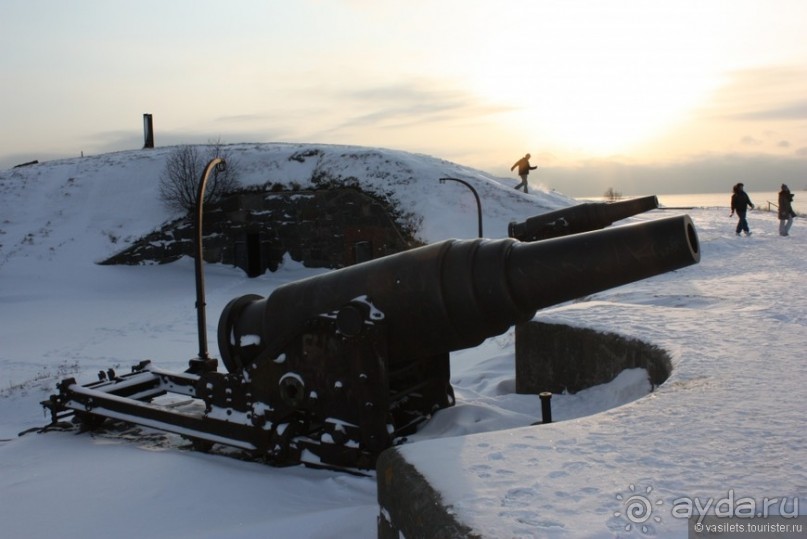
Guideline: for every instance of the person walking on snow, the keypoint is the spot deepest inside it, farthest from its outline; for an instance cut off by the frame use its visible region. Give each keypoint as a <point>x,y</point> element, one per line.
<point>524,169</point>
<point>740,203</point>
<point>786,213</point>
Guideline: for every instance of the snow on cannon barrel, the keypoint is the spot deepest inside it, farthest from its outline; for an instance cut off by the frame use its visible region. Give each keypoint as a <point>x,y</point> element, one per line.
<point>333,369</point>
<point>580,218</point>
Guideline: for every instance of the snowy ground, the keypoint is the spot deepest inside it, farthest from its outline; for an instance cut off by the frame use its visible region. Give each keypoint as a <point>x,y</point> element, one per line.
<point>731,417</point>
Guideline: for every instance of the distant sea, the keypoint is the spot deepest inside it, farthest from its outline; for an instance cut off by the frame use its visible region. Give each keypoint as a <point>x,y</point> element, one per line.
<point>723,200</point>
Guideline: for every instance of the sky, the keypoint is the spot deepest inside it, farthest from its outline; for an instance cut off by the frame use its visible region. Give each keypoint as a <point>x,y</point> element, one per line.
<point>642,96</point>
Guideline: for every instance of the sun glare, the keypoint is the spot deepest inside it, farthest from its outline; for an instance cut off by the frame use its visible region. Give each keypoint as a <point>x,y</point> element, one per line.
<point>606,111</point>
<point>597,82</point>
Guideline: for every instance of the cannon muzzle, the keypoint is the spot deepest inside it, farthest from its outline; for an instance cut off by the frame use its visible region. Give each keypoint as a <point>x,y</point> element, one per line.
<point>581,218</point>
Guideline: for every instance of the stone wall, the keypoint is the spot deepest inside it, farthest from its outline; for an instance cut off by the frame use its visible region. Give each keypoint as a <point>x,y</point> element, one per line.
<point>560,358</point>
<point>329,228</point>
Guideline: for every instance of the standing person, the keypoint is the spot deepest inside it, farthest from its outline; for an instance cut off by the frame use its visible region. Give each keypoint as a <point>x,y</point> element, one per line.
<point>524,169</point>
<point>786,213</point>
<point>740,203</point>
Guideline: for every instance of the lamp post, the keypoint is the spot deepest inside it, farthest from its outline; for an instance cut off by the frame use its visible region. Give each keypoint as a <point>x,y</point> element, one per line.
<point>204,361</point>
<point>476,195</point>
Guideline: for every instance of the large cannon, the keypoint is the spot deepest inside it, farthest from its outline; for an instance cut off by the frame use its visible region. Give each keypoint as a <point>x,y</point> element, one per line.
<point>333,369</point>
<point>580,218</point>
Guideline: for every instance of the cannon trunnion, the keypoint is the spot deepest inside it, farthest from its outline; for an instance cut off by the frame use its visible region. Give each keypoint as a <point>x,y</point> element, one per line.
<point>333,369</point>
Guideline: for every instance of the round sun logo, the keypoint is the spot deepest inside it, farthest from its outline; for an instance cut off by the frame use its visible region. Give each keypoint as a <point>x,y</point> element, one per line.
<point>637,509</point>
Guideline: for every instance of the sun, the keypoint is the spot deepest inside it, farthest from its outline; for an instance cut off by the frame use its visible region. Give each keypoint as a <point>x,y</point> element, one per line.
<point>597,108</point>
<point>605,112</point>
<point>597,82</point>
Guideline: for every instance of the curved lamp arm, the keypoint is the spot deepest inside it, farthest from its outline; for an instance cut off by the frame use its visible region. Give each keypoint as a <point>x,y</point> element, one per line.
<point>201,318</point>
<point>476,195</point>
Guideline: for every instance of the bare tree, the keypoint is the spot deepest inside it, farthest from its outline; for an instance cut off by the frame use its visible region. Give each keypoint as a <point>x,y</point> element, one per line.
<point>179,183</point>
<point>611,195</point>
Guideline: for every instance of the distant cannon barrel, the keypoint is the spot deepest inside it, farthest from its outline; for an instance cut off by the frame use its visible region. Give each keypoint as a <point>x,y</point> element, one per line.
<point>581,218</point>
<point>454,294</point>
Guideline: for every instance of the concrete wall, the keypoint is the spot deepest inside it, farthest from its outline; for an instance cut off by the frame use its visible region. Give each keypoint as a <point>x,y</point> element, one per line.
<point>558,358</point>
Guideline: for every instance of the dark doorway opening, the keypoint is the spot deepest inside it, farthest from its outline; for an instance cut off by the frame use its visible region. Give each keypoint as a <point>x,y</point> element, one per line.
<point>254,262</point>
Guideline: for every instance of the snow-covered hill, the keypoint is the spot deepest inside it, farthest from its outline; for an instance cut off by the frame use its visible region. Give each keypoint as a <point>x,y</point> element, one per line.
<point>93,206</point>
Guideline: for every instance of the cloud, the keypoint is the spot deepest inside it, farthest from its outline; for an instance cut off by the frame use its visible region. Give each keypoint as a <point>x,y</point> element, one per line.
<point>415,103</point>
<point>750,141</point>
<point>243,118</point>
<point>766,94</point>
<point>796,110</point>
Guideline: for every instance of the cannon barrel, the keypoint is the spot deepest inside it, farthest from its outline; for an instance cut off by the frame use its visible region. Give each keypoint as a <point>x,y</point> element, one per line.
<point>454,294</point>
<point>581,218</point>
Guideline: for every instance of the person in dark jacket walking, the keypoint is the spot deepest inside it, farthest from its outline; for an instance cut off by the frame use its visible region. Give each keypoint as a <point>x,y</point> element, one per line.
<point>740,202</point>
<point>524,169</point>
<point>786,213</point>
